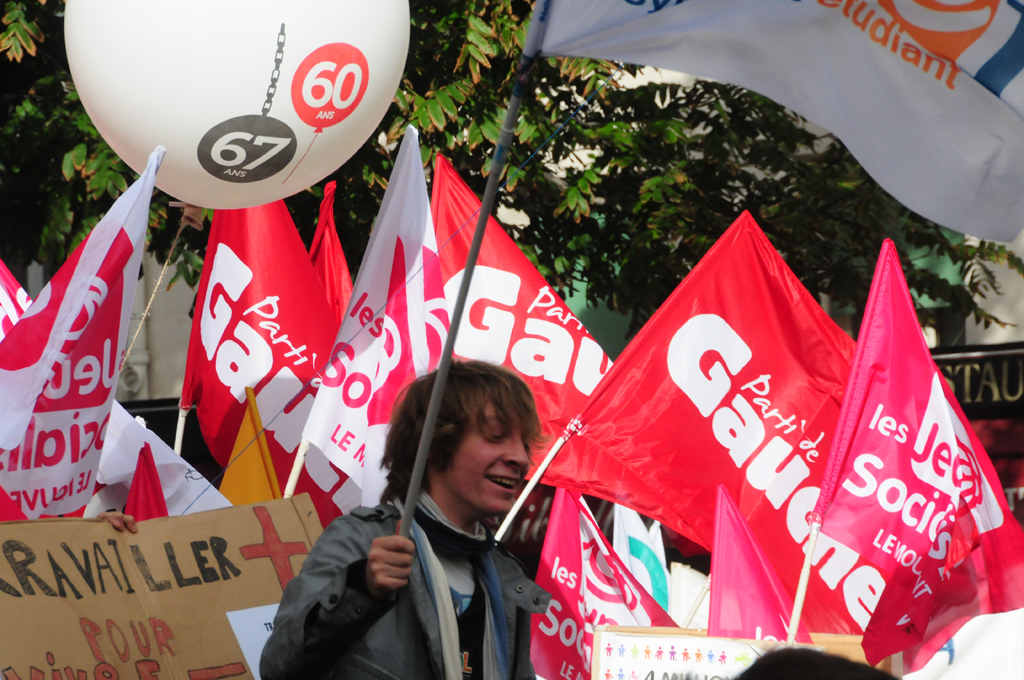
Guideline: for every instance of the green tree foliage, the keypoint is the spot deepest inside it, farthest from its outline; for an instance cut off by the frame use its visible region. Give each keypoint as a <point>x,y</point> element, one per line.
<point>628,197</point>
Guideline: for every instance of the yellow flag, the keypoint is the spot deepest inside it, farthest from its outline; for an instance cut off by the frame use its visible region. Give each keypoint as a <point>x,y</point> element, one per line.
<point>250,476</point>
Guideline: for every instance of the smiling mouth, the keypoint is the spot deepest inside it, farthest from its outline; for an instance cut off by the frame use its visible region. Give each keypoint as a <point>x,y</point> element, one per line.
<point>504,482</point>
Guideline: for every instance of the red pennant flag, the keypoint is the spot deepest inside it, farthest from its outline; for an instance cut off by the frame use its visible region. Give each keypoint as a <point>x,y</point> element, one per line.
<point>329,259</point>
<point>912,489</point>
<point>748,599</point>
<point>261,321</point>
<point>737,380</point>
<point>512,316</point>
<point>589,586</point>
<point>146,496</point>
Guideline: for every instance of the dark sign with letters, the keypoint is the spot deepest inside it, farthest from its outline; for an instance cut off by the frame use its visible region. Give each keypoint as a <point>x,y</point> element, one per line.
<point>988,379</point>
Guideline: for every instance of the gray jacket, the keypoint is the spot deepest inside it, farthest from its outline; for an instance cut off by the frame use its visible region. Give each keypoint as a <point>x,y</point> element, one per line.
<point>325,629</point>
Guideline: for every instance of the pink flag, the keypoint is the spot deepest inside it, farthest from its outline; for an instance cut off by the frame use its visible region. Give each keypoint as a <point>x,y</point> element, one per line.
<point>394,330</point>
<point>912,490</point>
<point>59,364</point>
<point>13,300</point>
<point>329,259</point>
<point>589,586</point>
<point>146,497</point>
<point>748,599</point>
<point>261,321</point>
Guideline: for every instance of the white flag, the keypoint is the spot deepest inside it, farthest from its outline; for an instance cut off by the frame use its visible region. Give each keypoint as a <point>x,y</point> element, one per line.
<point>927,94</point>
<point>394,330</point>
<point>60,363</point>
<point>184,488</point>
<point>642,550</point>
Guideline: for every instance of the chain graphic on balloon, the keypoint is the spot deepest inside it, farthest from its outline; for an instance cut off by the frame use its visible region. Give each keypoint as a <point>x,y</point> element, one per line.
<point>254,147</point>
<point>328,87</point>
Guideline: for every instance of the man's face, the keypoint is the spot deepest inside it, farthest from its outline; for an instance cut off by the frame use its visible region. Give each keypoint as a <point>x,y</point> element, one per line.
<point>484,476</point>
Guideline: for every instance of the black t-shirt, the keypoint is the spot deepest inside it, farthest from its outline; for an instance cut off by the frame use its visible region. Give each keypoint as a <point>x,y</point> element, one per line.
<point>472,628</point>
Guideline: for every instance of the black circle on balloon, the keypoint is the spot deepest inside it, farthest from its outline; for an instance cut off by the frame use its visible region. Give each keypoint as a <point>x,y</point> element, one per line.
<point>247,149</point>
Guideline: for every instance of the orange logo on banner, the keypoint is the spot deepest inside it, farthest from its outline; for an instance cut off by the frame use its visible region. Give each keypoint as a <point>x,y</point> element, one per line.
<point>943,27</point>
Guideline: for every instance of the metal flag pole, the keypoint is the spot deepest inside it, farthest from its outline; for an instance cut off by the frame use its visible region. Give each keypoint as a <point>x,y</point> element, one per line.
<point>531,50</point>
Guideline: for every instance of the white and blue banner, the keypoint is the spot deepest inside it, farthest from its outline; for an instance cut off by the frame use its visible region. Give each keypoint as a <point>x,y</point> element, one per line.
<point>927,94</point>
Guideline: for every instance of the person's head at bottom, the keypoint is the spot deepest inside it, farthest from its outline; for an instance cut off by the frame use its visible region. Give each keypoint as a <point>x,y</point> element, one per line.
<point>480,451</point>
<point>808,664</point>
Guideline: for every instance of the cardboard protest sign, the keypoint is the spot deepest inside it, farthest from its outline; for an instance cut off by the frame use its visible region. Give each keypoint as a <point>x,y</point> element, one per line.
<point>80,600</point>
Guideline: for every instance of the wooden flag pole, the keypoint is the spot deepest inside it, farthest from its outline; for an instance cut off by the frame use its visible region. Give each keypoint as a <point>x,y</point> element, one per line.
<point>532,484</point>
<point>293,476</point>
<point>531,51</point>
<point>704,590</point>
<point>805,575</point>
<point>179,432</point>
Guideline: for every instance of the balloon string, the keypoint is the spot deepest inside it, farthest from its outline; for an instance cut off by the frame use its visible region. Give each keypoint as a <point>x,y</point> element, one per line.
<point>301,159</point>
<point>152,297</point>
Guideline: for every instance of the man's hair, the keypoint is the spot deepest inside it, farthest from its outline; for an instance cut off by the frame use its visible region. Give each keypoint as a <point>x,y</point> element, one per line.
<point>471,387</point>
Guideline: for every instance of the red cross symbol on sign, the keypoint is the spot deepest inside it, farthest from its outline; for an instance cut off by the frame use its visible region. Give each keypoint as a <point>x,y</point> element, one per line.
<point>279,553</point>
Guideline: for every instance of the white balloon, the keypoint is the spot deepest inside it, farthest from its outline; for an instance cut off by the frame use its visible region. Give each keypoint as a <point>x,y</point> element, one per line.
<point>194,75</point>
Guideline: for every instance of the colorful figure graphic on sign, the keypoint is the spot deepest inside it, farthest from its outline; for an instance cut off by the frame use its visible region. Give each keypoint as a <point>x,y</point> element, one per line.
<point>672,653</point>
<point>608,674</point>
<point>742,659</point>
<point>721,658</point>
<point>657,654</point>
<point>622,650</point>
<point>698,657</point>
<point>647,652</point>
<point>622,676</point>
<point>686,654</point>
<point>711,656</point>
<point>608,650</point>
<point>636,651</point>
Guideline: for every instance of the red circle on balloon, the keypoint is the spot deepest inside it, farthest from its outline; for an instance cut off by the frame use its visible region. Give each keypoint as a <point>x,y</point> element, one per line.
<point>329,84</point>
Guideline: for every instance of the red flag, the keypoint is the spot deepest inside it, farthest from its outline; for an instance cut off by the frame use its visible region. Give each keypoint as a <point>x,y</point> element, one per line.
<point>261,321</point>
<point>589,586</point>
<point>748,599</point>
<point>9,510</point>
<point>737,380</point>
<point>13,300</point>
<point>912,489</point>
<point>329,259</point>
<point>146,496</point>
<point>512,315</point>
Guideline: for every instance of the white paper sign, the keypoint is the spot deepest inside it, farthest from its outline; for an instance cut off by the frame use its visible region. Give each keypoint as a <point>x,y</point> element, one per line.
<point>632,656</point>
<point>252,628</point>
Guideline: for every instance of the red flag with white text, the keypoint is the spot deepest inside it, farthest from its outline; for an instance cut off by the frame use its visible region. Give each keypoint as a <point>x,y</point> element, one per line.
<point>589,586</point>
<point>512,316</point>
<point>59,364</point>
<point>329,259</point>
<point>748,599</point>
<point>910,487</point>
<point>737,380</point>
<point>13,300</point>
<point>394,330</point>
<point>261,321</point>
